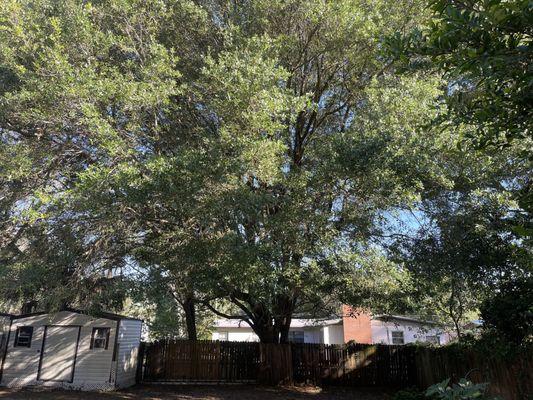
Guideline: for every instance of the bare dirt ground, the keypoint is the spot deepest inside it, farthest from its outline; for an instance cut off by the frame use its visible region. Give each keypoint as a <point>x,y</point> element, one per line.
<point>237,392</point>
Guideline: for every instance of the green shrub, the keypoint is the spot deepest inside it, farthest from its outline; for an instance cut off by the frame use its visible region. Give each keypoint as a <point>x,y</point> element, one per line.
<point>464,390</point>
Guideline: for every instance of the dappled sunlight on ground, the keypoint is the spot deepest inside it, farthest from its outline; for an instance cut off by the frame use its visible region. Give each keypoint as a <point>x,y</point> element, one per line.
<point>212,392</point>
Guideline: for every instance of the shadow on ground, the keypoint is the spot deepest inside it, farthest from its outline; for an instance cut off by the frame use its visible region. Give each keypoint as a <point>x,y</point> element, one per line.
<point>237,392</point>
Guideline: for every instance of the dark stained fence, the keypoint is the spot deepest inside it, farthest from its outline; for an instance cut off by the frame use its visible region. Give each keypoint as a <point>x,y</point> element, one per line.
<point>200,361</point>
<point>354,364</point>
<point>238,362</point>
<point>350,365</point>
<point>509,378</point>
<point>213,361</point>
<point>275,366</point>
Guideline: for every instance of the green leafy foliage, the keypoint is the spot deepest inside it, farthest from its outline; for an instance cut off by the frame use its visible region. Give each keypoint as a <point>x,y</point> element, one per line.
<point>484,48</point>
<point>222,144</point>
<point>249,152</point>
<point>459,246</point>
<point>510,312</point>
<point>462,390</point>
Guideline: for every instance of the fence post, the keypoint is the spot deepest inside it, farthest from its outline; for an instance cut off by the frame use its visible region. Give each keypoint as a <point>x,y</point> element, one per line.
<point>140,363</point>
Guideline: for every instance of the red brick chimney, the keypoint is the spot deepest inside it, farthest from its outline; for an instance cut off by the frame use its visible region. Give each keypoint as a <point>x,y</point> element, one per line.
<point>356,325</point>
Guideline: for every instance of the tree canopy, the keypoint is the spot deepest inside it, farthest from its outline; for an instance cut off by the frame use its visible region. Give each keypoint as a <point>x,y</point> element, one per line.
<point>250,153</point>
<point>484,48</point>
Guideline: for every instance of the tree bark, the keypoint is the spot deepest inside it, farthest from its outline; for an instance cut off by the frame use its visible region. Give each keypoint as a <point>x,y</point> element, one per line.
<point>457,329</point>
<point>274,327</point>
<point>284,331</point>
<point>189,308</point>
<point>267,334</point>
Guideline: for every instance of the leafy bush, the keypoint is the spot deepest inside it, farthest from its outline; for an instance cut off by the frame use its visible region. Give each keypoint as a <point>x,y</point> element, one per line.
<point>464,390</point>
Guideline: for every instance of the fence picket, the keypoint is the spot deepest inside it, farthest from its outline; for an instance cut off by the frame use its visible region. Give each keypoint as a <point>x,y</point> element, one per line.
<point>351,364</point>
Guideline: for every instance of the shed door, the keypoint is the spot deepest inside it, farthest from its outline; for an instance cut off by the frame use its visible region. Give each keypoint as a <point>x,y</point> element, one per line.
<point>59,353</point>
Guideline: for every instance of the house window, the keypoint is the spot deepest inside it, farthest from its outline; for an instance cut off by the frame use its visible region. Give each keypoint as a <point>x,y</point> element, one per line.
<point>23,336</point>
<point>223,336</point>
<point>100,338</point>
<point>433,339</point>
<point>296,336</point>
<point>397,337</point>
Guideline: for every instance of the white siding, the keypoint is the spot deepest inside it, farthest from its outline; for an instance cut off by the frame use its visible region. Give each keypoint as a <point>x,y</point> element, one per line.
<point>21,363</point>
<point>243,334</point>
<point>92,368</point>
<point>412,331</point>
<point>129,339</point>
<point>333,334</point>
<point>311,334</point>
<point>336,334</point>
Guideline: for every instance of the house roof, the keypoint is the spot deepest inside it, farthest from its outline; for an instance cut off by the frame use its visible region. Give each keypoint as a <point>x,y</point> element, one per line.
<point>295,323</point>
<point>100,314</point>
<point>311,322</point>
<point>386,317</point>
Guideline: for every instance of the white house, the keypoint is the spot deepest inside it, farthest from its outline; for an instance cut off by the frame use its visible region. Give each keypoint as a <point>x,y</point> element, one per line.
<point>301,331</point>
<point>361,328</point>
<point>71,349</point>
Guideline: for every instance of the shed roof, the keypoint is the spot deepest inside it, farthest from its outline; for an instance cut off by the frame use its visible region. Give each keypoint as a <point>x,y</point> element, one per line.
<point>100,314</point>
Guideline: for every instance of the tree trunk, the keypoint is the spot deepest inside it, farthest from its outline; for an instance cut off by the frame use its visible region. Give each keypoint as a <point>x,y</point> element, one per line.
<point>284,309</point>
<point>264,326</point>
<point>267,334</point>
<point>190,317</point>
<point>271,325</point>
<point>273,330</point>
<point>457,329</point>
<point>28,307</point>
<point>284,332</point>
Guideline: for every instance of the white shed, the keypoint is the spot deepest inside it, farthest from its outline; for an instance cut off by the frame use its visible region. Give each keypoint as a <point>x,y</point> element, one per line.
<point>71,349</point>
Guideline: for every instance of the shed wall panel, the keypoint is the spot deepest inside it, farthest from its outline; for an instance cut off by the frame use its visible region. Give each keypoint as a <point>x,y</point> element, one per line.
<point>129,340</point>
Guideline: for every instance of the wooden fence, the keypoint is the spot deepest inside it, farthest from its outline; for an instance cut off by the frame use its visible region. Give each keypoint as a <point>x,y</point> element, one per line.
<point>201,361</point>
<point>509,378</point>
<point>213,361</point>
<point>350,365</point>
<point>356,364</point>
